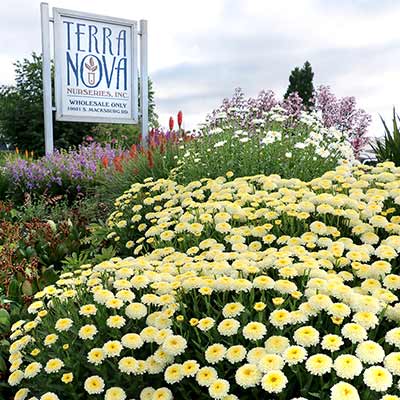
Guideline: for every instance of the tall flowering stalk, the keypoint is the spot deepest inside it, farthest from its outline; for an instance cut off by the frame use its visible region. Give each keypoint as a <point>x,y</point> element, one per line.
<point>171,123</point>
<point>280,142</point>
<point>293,105</point>
<point>343,114</point>
<point>155,160</point>
<point>244,111</point>
<point>339,113</point>
<point>180,119</point>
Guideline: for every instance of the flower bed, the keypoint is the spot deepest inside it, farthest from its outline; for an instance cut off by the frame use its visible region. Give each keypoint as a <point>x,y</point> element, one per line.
<point>246,288</point>
<point>339,113</point>
<point>274,143</point>
<point>67,173</point>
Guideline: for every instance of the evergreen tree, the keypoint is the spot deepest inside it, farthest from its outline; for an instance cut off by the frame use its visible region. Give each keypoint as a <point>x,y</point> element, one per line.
<point>301,82</point>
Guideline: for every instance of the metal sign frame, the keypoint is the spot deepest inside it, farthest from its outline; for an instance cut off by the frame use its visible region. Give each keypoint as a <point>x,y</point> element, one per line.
<point>58,13</point>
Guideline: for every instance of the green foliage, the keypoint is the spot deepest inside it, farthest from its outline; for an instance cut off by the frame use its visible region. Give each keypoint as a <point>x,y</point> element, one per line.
<point>119,135</point>
<point>388,148</point>
<point>301,82</point>
<point>5,324</point>
<point>105,254</point>
<point>156,163</point>
<point>4,183</point>
<point>281,145</point>
<point>81,212</point>
<point>153,117</point>
<point>31,243</point>
<point>75,260</point>
<point>21,111</point>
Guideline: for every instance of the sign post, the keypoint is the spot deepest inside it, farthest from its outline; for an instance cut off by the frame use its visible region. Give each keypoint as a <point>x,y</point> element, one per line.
<point>96,70</point>
<point>144,83</point>
<point>46,76</point>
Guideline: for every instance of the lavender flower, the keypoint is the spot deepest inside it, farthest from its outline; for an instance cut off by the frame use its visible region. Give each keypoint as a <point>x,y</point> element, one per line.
<point>71,171</point>
<point>342,114</point>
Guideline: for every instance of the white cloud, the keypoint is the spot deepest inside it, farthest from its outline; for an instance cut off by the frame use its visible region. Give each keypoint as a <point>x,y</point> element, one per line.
<point>200,51</point>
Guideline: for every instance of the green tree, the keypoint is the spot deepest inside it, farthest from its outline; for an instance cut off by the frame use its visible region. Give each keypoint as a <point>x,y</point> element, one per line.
<point>21,113</point>
<point>153,117</point>
<point>301,82</point>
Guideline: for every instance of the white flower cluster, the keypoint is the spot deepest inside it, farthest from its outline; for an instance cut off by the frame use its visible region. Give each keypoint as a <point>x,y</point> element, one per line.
<point>251,286</point>
<point>325,142</point>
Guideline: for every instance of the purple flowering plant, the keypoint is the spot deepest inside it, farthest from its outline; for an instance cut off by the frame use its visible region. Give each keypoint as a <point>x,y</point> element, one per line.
<point>339,113</point>
<point>70,172</point>
<point>343,114</point>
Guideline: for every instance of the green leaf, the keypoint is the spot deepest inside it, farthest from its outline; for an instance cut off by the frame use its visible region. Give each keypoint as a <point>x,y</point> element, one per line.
<point>3,365</point>
<point>387,131</point>
<point>14,213</point>
<point>396,133</point>
<point>4,319</point>
<point>388,148</point>
<point>27,288</point>
<point>13,289</point>
<point>48,276</point>
<point>4,343</point>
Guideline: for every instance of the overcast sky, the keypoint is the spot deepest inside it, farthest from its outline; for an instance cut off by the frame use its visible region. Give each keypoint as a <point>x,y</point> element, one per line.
<point>199,51</point>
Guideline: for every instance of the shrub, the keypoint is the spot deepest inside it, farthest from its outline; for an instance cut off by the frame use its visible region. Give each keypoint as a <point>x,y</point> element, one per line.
<point>81,212</point>
<point>298,147</point>
<point>33,246</point>
<point>120,136</point>
<point>257,286</point>
<point>29,248</point>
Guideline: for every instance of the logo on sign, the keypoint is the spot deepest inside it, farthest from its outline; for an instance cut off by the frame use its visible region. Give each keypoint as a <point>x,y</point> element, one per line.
<point>96,56</point>
<point>91,67</point>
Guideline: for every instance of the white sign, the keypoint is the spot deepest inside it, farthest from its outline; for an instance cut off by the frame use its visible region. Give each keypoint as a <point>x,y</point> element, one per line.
<point>96,77</point>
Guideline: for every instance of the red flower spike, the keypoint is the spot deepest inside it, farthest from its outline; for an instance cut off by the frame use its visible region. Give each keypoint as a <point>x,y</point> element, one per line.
<point>180,118</point>
<point>150,159</point>
<point>133,151</point>
<point>105,161</point>
<point>117,164</point>
<point>171,123</point>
